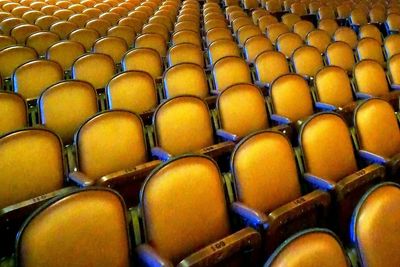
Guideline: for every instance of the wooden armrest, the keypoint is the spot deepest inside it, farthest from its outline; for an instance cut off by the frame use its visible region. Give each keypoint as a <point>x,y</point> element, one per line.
<point>393,167</point>
<point>160,153</point>
<point>368,175</point>
<point>243,240</point>
<point>147,256</point>
<point>251,217</point>
<point>218,149</point>
<point>80,179</point>
<point>317,199</point>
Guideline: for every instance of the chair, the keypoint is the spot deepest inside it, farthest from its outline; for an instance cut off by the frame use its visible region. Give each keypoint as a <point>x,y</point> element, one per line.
<point>326,12</point>
<point>319,39</point>
<point>378,209</point>
<point>371,31</point>
<point>7,24</point>
<point>21,32</point>
<point>298,9</point>
<point>270,65</point>
<point>288,42</point>
<point>333,88</point>
<point>6,41</point>
<point>369,48</point>
<point>111,17</point>
<point>157,28</point>
<point>377,132</point>
<point>291,99</point>
<point>256,45</point>
<point>125,32</point>
<point>111,151</point>
<point>290,19</point>
<point>185,79</point>
<point>186,36</point>
<point>269,196</point>
<point>63,14</point>
<point>38,152</point>
<point>134,23</point>
<point>340,54</point>
<point>49,9</point>
<point>330,164</point>
<point>115,47</point>
<point>143,59</point>
<point>228,71</point>
<point>238,118</point>
<point>274,30</point>
<point>63,28</point>
<point>14,110</point>
<point>391,45</point>
<point>311,247</point>
<point>171,246</point>
<point>265,21</point>
<point>258,13</point>
<point>328,25</point>
<point>65,53</point>
<point>185,53</point>
<point>358,18</point>
<point>367,87</point>
<point>377,15</point>
<point>394,67</point>
<point>247,31</point>
<point>86,37</point>
<point>41,41</point>
<point>80,213</point>
<point>45,22</point>
<point>192,133</point>
<point>214,23</point>
<point>152,40</point>
<point>222,48</point>
<point>64,106</point>
<point>33,77</point>
<point>307,60</point>
<point>99,25</point>
<point>134,91</point>
<point>346,35</point>
<point>31,16</point>
<point>392,23</point>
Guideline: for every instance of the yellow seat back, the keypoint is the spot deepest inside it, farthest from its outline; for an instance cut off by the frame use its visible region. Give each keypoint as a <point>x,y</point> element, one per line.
<point>307,60</point>
<point>340,54</point>
<point>371,31</point>
<point>222,48</point>
<point>41,41</point>
<point>21,32</point>
<point>247,31</point>
<point>319,39</point>
<point>185,53</point>
<point>302,28</point>
<point>14,111</point>
<point>362,73</point>
<point>288,42</point>
<point>270,65</point>
<point>99,25</point>
<point>14,56</point>
<point>186,36</point>
<point>229,71</point>
<point>143,59</point>
<point>256,45</point>
<point>274,30</point>
<point>152,40</point>
<point>392,45</point>
<point>86,37</point>
<point>63,28</point>
<point>328,25</point>
<point>65,53</point>
<point>125,32</point>
<point>369,48</point>
<point>347,35</point>
<point>113,46</point>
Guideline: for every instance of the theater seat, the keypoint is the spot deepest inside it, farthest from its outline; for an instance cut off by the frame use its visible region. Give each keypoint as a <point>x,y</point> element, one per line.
<point>330,164</point>
<point>378,135</point>
<point>268,190</point>
<point>270,65</point>
<point>228,71</point>
<point>256,45</point>
<point>288,42</point>
<point>111,151</point>
<point>307,60</point>
<point>308,248</point>
<point>143,59</point>
<point>185,53</point>
<point>94,231</point>
<point>14,112</point>
<point>340,54</point>
<point>378,213</point>
<point>196,233</point>
<point>369,48</point>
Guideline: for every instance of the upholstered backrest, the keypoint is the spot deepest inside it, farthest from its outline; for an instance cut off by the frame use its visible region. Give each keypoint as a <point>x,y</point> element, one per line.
<point>369,48</point>
<point>319,39</point>
<point>152,40</point>
<point>96,69</point>
<point>230,70</point>
<point>184,207</point>
<point>144,59</point>
<point>83,228</point>
<point>290,19</point>
<point>377,128</point>
<point>362,73</point>
<point>21,32</point>
<point>125,32</point>
<point>265,21</point>
<point>307,60</point>
<point>110,141</point>
<point>31,78</point>
<point>185,53</point>
<point>132,90</point>
<point>222,48</point>
<point>65,53</point>
<point>274,30</point>
<point>14,56</point>
<point>185,79</point>
<point>333,86</point>
<point>182,125</point>
<point>219,33</point>
<point>41,41</point>
<point>288,42</point>
<point>394,68</point>
<point>329,25</point>
<point>14,112</point>
<point>377,211</point>
<point>63,28</point>
<point>99,25</point>
<point>247,31</point>
<point>347,35</point>
<point>312,247</point>
<point>303,27</point>
<point>256,45</point>
<point>270,65</point>
<point>327,147</point>
<point>242,117</point>
<point>85,37</point>
<point>340,54</point>
<point>371,31</point>
<point>31,165</point>
<point>391,45</point>
<point>65,106</point>
<point>291,97</point>
<point>113,46</point>
<point>186,36</point>
<point>264,169</point>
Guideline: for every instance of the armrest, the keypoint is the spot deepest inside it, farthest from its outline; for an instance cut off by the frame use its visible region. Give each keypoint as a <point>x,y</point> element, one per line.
<point>80,179</point>
<point>295,209</point>
<point>251,217</point>
<point>395,86</point>
<point>227,135</point>
<point>280,119</point>
<point>149,257</point>
<point>246,240</point>
<point>218,149</point>
<point>361,178</point>
<point>371,157</point>
<point>325,106</point>
<point>160,153</point>
<point>360,95</point>
<point>393,166</point>
<point>318,182</point>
